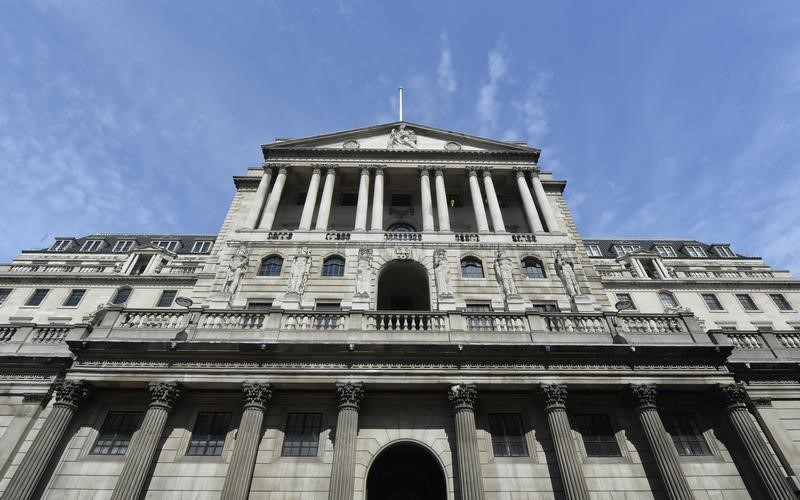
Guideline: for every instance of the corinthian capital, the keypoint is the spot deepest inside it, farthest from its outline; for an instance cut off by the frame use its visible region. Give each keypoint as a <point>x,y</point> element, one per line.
<point>643,395</point>
<point>463,396</point>
<point>256,394</point>
<point>72,392</point>
<point>731,395</point>
<point>349,394</point>
<point>554,395</point>
<point>165,393</point>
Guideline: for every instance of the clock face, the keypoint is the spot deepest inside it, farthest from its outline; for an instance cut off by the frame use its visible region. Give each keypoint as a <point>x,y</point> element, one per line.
<point>351,144</point>
<point>452,146</point>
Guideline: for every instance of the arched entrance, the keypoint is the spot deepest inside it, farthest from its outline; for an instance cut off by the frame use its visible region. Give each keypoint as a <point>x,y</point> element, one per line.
<point>403,286</point>
<point>406,471</point>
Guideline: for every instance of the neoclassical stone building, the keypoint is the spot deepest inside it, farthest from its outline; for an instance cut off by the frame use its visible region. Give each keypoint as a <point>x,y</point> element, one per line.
<point>397,312</point>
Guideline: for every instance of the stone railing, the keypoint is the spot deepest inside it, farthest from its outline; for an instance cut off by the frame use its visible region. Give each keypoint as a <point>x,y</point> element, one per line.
<point>406,321</point>
<point>7,332</point>
<point>651,324</point>
<point>496,322</point>
<point>151,319</point>
<point>755,346</point>
<point>315,320</point>
<point>233,320</point>
<point>337,236</point>
<point>49,335</point>
<point>279,235</point>
<point>467,237</point>
<point>399,236</point>
<point>523,237</point>
<point>60,268</point>
<point>578,323</point>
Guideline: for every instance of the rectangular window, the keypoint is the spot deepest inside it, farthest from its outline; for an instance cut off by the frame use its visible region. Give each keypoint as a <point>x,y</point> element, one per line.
<point>61,245</point>
<point>37,297</point>
<point>695,251</point>
<point>115,434</point>
<point>545,307</point>
<point>349,199</point>
<point>686,435</point>
<point>91,245</point>
<point>123,246</point>
<point>598,436</point>
<point>747,302</point>
<point>140,266</point>
<point>712,302</point>
<point>259,305</point>
<point>479,307</point>
<point>167,298</point>
<point>626,297</point>
<point>728,328</point>
<point>169,245</point>
<point>208,435</point>
<point>201,247</point>
<point>666,251</point>
<point>453,201</point>
<point>401,200</point>
<point>302,435</point>
<point>4,293</point>
<point>621,250</point>
<point>74,298</point>
<point>328,322</point>
<point>594,251</point>
<point>478,322</point>
<point>724,252</point>
<point>508,437</point>
<point>780,302</point>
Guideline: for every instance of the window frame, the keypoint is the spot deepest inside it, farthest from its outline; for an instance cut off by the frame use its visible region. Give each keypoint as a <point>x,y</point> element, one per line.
<point>613,437</point>
<point>5,293</point>
<point>505,438</point>
<point>666,251</point>
<point>72,293</point>
<point>772,296</point>
<point>716,299</point>
<point>747,302</point>
<point>219,444</point>
<point>262,264</point>
<point>91,246</point>
<point>161,298</point>
<point>61,245</point>
<point>692,249</point>
<point>724,251</point>
<point>629,298</point>
<point>123,246</point>
<point>698,438</point>
<point>593,250</point>
<point>540,267</point>
<point>319,427</point>
<point>113,442</point>
<point>471,258</point>
<point>258,302</point>
<point>199,247</point>
<point>30,297</point>
<point>114,297</point>
<point>168,245</point>
<point>619,249</point>
<point>672,297</point>
<point>328,264</point>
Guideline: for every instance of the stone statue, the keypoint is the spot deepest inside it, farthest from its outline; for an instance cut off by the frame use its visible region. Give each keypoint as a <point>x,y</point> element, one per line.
<point>300,268</point>
<point>566,270</point>
<point>364,272</point>
<point>402,137</point>
<point>503,272</point>
<point>441,270</point>
<point>236,267</point>
<point>118,267</point>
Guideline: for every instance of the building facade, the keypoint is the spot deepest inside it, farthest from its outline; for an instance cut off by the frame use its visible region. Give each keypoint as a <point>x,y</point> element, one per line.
<point>392,312</point>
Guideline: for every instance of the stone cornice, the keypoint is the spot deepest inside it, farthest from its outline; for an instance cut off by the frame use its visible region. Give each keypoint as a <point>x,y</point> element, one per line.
<point>704,285</point>
<point>114,279</point>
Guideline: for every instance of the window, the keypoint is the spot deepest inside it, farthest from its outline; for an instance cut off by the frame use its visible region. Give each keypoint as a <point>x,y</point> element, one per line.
<point>91,245</point>
<point>325,321</point>
<point>453,201</point>
<point>747,302</point>
<point>480,322</point>
<point>532,268</point>
<point>401,227</point>
<point>201,247</point>
<point>115,434</point>
<point>401,200</point>
<point>712,302</point>
<point>598,436</point>
<point>666,251</point>
<point>208,435</point>
<point>349,199</point>
<point>626,297</point>
<point>686,435</point>
<point>724,251</point>
<point>471,268</point>
<point>4,293</point>
<point>259,305</point>
<point>61,245</point>
<point>302,435</point>
<point>651,269</point>
<point>301,198</point>
<point>621,250</point>
<point>167,298</point>
<point>333,266</point>
<point>695,251</point>
<point>140,265</point>
<point>74,298</point>
<point>594,251</point>
<point>545,307</point>
<point>728,328</point>
<point>479,307</point>
<point>123,246</point>
<point>271,266</point>
<point>667,300</point>
<point>122,295</point>
<point>780,301</point>
<point>508,438</point>
<point>37,297</point>
<point>169,245</point>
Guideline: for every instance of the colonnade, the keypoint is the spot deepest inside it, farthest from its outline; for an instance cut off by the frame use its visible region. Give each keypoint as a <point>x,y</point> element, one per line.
<point>538,211</point>
<point>143,449</point>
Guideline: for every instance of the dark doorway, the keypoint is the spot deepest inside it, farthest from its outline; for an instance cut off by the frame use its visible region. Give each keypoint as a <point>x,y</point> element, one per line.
<point>406,472</point>
<point>403,286</point>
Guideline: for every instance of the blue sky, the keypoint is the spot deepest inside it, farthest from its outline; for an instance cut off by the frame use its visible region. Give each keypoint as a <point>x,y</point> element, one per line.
<point>668,119</point>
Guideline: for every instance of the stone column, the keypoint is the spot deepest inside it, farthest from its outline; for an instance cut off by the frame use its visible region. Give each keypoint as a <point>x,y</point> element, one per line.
<point>327,199</point>
<point>477,200</point>
<point>733,398</point>
<point>534,223</point>
<point>259,199</point>
<point>425,196</point>
<point>544,204</point>
<point>494,206</point>
<point>143,447</point>
<point>363,201</point>
<point>311,200</point>
<point>569,464</point>
<point>274,199</point>
<point>248,437</point>
<point>343,472</point>
<point>664,453</point>
<point>377,200</point>
<point>442,210</point>
<point>31,470</point>
<point>470,480</point>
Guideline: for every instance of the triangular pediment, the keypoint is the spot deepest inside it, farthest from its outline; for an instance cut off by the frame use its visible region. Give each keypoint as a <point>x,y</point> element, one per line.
<point>401,136</point>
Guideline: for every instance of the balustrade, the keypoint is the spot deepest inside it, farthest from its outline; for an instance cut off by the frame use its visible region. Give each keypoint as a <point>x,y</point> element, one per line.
<point>746,340</point>
<point>337,236</point>
<point>49,335</point>
<point>6,333</point>
<point>279,235</point>
<point>523,238</point>
<point>789,340</point>
<point>651,324</point>
<point>406,321</point>
<point>315,320</point>
<point>467,237</point>
<point>574,323</point>
<point>402,236</point>
<point>496,323</point>
<point>151,319</point>
<point>233,320</point>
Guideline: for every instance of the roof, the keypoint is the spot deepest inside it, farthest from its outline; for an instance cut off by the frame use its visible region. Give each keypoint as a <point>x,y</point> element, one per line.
<point>185,247</point>
<point>679,246</point>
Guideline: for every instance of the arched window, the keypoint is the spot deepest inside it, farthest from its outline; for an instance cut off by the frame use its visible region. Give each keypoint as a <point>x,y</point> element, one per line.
<point>122,295</point>
<point>532,268</point>
<point>333,266</point>
<point>401,227</point>
<point>667,299</point>
<point>471,267</point>
<point>271,266</point>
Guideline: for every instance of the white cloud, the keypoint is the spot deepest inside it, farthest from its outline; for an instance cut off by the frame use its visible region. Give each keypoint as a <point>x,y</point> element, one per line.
<point>488,106</point>
<point>447,77</point>
<point>534,108</point>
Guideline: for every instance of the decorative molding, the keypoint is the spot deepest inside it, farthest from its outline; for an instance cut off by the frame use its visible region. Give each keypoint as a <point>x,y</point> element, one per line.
<point>35,397</point>
<point>463,396</point>
<point>643,395</point>
<point>349,395</point>
<point>762,402</point>
<point>554,395</point>
<point>731,395</point>
<point>165,393</point>
<point>256,394</point>
<point>72,392</point>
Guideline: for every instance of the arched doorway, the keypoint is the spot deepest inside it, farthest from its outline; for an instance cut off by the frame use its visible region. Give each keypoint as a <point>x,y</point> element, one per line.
<point>406,471</point>
<point>403,286</point>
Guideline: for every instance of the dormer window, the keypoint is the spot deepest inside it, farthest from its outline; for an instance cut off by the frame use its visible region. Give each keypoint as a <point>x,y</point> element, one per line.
<point>594,251</point>
<point>724,251</point>
<point>169,245</point>
<point>666,251</point>
<point>123,246</point>
<point>61,245</point>
<point>201,247</point>
<point>695,251</point>
<point>91,245</point>
<point>621,250</point>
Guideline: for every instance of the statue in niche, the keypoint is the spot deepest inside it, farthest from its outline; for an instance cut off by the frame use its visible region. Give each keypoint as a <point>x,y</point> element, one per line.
<point>364,272</point>
<point>441,271</point>
<point>118,267</point>
<point>236,268</point>
<point>402,136</point>
<point>504,273</point>
<point>566,271</point>
<point>300,268</point>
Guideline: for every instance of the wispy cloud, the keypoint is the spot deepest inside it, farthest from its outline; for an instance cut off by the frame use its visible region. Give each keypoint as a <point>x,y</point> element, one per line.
<point>488,105</point>
<point>447,77</point>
